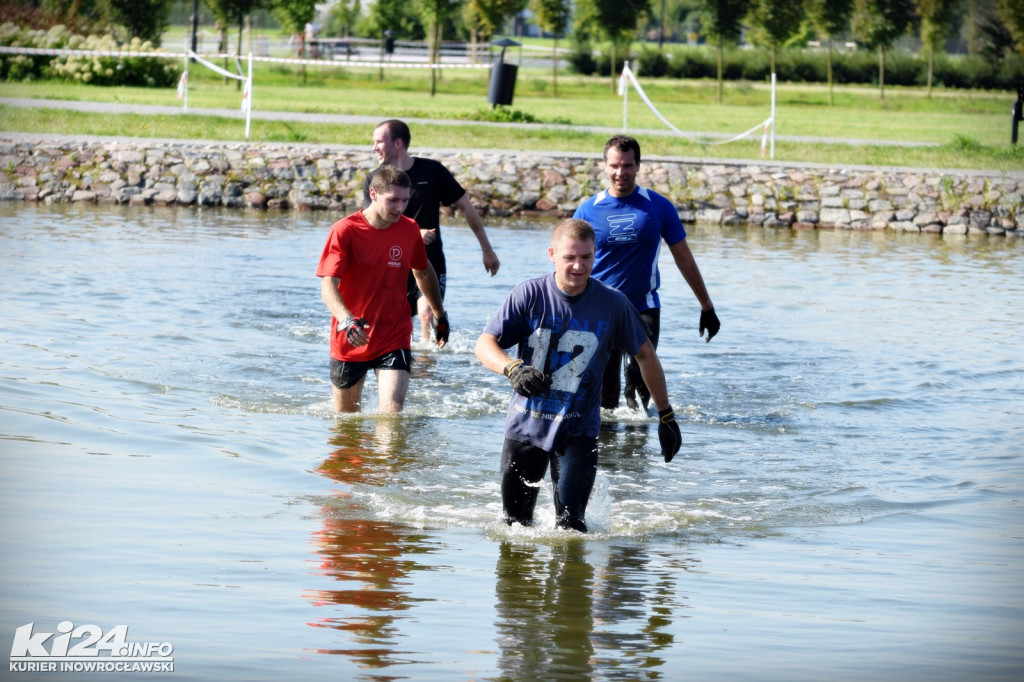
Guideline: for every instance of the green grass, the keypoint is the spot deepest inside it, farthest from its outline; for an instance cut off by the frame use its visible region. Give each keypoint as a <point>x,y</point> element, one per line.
<point>972,129</point>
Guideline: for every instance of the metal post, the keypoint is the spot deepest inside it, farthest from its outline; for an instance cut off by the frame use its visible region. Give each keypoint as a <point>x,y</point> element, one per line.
<point>624,84</point>
<point>1018,111</point>
<point>773,119</point>
<point>195,25</point>
<point>248,108</point>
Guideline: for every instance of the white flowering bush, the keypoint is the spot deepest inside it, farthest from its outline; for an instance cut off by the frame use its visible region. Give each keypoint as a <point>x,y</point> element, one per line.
<point>97,70</point>
<point>29,67</point>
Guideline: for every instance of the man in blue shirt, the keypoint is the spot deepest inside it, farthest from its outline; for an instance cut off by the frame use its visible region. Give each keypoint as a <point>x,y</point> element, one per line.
<point>564,325</point>
<point>630,223</point>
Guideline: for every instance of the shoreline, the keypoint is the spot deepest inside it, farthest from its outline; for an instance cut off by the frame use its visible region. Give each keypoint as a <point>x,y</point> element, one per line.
<point>277,176</point>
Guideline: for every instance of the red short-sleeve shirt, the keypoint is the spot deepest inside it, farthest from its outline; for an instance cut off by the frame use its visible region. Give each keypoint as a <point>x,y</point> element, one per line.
<point>373,266</point>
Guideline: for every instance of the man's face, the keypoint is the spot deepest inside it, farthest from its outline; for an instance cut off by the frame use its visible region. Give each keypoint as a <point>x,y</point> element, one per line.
<point>573,259</point>
<point>384,147</point>
<point>389,205</point>
<point>621,168</point>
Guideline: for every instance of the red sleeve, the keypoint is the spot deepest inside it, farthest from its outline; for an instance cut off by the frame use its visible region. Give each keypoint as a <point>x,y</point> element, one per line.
<point>332,260</point>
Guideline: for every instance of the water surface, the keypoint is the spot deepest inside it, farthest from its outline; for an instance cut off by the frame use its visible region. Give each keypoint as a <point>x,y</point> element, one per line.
<point>847,503</point>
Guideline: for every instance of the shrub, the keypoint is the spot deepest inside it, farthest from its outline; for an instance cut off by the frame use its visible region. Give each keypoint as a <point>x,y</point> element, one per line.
<point>145,71</point>
<point>652,63</point>
<point>581,60</point>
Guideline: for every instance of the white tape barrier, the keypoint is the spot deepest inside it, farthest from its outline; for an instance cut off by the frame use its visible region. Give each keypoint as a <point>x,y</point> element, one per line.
<point>247,80</point>
<point>627,77</point>
<point>62,52</point>
<point>246,83</point>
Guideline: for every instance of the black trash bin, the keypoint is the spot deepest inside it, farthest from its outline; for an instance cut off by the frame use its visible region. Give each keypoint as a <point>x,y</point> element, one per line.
<point>503,83</point>
<point>503,76</point>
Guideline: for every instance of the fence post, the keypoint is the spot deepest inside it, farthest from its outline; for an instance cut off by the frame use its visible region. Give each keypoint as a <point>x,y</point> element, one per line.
<point>773,118</point>
<point>248,101</point>
<point>624,91</point>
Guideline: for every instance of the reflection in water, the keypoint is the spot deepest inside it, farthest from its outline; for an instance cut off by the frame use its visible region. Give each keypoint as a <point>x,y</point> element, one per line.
<point>370,558</point>
<point>567,615</point>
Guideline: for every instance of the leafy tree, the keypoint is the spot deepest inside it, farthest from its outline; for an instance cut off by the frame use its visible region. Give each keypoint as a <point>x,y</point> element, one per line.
<point>618,20</point>
<point>434,13</point>
<point>877,23</point>
<point>830,18</point>
<point>552,16</point>
<point>227,11</point>
<point>144,19</point>
<point>82,16</point>
<point>936,18</point>
<point>342,18</point>
<point>1011,13</point>
<point>773,22</point>
<point>721,20</point>
<point>293,15</point>
<point>484,18</point>
<point>398,16</point>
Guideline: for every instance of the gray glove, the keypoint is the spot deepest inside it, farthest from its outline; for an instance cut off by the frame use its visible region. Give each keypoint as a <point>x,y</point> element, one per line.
<point>526,380</point>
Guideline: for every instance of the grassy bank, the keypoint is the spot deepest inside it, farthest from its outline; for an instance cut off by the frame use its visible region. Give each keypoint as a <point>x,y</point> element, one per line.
<point>970,129</point>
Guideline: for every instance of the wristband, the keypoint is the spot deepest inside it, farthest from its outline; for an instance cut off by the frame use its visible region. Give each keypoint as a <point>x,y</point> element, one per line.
<point>510,366</point>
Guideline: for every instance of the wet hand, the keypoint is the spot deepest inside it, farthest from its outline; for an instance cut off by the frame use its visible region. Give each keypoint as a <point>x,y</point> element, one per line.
<point>668,433</point>
<point>441,331</point>
<point>429,236</point>
<point>526,380</point>
<point>491,262</point>
<point>353,329</point>
<point>709,321</point>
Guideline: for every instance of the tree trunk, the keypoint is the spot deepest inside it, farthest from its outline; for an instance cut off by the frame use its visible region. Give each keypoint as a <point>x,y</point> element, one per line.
<point>435,50</point>
<point>931,67</point>
<point>881,71</point>
<point>554,66</point>
<point>828,68</point>
<point>615,84</point>
<point>720,49</point>
<point>238,50</point>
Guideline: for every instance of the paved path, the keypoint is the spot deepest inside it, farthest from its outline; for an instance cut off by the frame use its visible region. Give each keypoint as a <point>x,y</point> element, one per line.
<point>257,114</point>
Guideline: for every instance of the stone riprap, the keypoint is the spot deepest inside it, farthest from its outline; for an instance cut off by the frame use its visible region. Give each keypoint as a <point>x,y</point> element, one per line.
<point>504,183</point>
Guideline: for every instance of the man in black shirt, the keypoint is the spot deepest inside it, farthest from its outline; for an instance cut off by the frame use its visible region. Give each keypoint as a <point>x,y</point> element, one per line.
<point>433,186</point>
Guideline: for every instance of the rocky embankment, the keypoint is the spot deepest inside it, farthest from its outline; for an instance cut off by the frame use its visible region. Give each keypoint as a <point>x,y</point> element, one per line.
<point>504,183</point>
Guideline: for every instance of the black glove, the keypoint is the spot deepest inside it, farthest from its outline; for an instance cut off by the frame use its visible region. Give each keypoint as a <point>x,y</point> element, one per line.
<point>525,379</point>
<point>351,326</point>
<point>709,321</point>
<point>442,329</point>
<point>668,433</point>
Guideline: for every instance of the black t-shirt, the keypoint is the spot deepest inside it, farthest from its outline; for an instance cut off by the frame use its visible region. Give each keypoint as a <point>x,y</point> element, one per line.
<point>433,186</point>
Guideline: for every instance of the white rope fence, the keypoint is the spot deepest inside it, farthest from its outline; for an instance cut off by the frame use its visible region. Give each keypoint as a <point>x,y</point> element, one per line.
<point>627,78</point>
<point>66,52</point>
<point>246,83</point>
<point>189,55</point>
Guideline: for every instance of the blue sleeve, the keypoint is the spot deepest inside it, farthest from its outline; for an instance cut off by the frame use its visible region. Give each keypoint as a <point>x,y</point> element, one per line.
<point>672,230</point>
<point>506,325</point>
<point>582,211</point>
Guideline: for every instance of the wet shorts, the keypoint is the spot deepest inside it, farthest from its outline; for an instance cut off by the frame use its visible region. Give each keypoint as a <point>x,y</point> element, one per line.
<point>348,374</point>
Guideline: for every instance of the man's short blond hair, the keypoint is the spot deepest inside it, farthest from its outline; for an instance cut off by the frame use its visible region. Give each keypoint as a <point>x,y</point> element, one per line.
<point>574,228</point>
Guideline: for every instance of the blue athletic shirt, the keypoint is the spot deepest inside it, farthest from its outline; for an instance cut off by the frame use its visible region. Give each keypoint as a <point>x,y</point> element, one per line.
<point>570,338</point>
<point>629,233</point>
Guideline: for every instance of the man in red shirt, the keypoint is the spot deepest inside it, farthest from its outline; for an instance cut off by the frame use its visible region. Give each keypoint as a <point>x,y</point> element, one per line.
<point>363,269</point>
